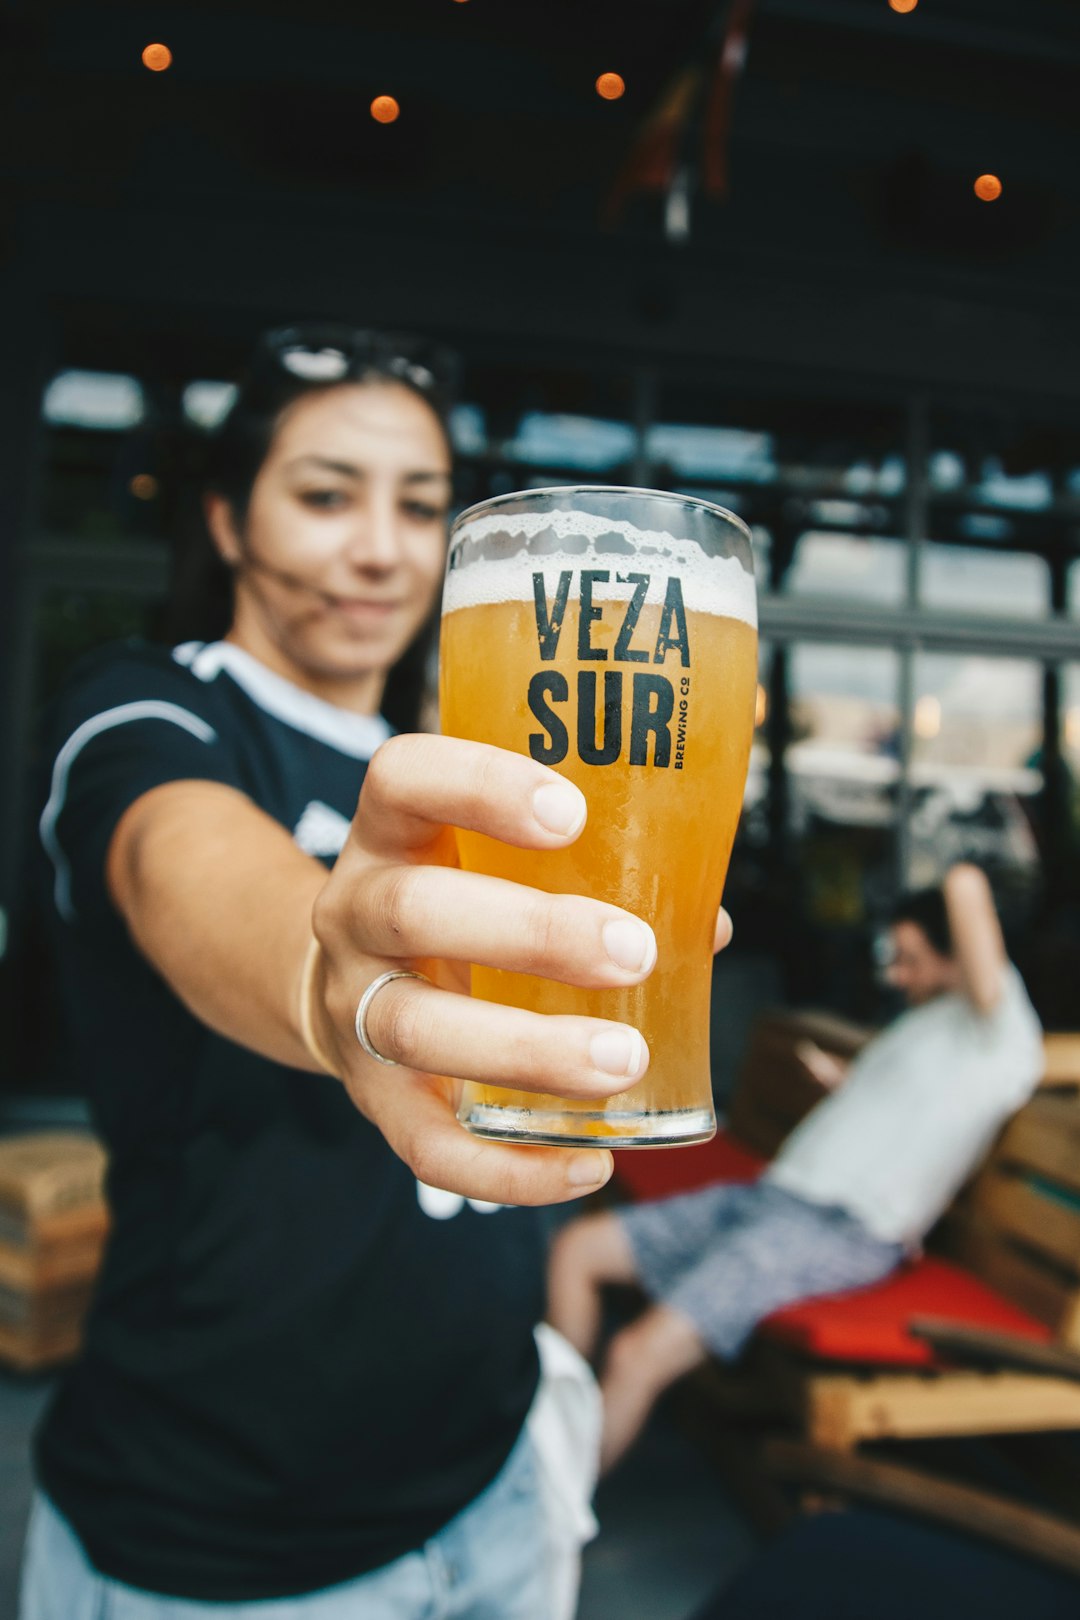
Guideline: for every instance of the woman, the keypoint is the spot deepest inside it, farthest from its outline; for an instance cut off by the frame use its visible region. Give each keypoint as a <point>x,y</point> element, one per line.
<point>297,1382</point>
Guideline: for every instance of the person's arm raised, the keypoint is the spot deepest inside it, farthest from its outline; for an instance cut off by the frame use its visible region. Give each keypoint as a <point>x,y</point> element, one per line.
<point>977,941</point>
<point>223,905</point>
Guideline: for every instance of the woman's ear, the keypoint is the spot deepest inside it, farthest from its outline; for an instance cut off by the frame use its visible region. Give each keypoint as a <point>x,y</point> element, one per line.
<point>221,522</point>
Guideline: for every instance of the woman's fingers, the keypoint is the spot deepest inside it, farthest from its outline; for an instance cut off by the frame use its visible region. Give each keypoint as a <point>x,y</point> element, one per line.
<point>439,1032</point>
<point>462,784</point>
<point>424,911</point>
<point>415,1115</point>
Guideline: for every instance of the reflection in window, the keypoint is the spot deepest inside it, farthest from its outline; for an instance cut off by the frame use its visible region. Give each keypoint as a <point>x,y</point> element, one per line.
<point>761,541</point>
<point>985,480</point>
<point>975,765</point>
<point>885,477</point>
<point>206,404</point>
<point>844,711</point>
<point>690,450</point>
<point>843,565</point>
<point>842,770</point>
<point>732,500</point>
<point>542,480</point>
<point>1074,590</point>
<point>105,400</point>
<point>1029,493</point>
<point>976,581</point>
<point>468,430</point>
<point>571,441</point>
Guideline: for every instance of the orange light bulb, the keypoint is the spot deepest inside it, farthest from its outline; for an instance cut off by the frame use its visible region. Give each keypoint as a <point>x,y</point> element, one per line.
<point>610,86</point>
<point>385,110</point>
<point>157,57</point>
<point>903,6</point>
<point>988,188</point>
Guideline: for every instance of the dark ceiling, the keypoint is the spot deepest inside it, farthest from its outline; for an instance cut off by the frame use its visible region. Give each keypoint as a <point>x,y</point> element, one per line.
<point>856,134</point>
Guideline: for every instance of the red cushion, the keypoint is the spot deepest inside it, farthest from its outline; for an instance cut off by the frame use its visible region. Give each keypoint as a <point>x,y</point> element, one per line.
<point>871,1323</point>
<point>659,1172</point>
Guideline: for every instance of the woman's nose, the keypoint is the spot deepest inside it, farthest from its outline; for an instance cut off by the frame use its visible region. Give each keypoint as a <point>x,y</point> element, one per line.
<point>374,541</point>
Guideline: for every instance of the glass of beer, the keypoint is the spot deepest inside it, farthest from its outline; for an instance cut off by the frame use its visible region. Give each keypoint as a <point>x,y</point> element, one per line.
<point>611,634</point>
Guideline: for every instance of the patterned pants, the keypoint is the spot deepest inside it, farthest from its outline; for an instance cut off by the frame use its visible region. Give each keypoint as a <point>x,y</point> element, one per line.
<point>728,1256</point>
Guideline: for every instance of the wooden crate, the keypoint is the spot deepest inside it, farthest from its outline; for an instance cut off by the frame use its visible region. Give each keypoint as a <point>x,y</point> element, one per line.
<point>775,1088</point>
<point>47,1174</point>
<point>1012,1202</point>
<point>1045,1290</point>
<point>1044,1137</point>
<point>1062,1060</point>
<point>53,1224</point>
<point>841,1410</point>
<point>35,1350</point>
<point>1030,1531</point>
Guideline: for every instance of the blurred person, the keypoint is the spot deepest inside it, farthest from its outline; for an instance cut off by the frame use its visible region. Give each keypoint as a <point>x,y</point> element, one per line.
<point>852,1191</point>
<point>310,1384</point>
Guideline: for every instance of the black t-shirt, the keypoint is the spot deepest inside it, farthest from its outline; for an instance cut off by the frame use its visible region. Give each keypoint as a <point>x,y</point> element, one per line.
<point>301,1363</point>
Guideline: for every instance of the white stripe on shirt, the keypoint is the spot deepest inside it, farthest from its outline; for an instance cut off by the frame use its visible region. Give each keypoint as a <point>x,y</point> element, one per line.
<point>357,735</point>
<point>146,709</point>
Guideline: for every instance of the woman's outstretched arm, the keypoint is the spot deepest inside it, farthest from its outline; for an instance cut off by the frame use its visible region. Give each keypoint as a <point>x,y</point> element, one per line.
<point>224,905</point>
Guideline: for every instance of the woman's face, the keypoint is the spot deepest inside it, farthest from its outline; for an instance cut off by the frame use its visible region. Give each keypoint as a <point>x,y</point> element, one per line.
<point>344,541</point>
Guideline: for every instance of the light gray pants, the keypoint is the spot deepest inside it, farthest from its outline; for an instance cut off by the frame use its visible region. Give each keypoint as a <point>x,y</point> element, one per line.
<point>513,1554</point>
<point>489,1563</point>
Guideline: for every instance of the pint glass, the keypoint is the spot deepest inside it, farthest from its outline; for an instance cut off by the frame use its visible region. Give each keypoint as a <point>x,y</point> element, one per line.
<point>611,634</point>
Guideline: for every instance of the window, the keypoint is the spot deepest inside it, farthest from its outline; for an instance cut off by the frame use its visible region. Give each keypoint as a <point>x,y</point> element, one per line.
<point>842,772</point>
<point>976,775</point>
<point>862,567</point>
<point>967,580</point>
<point>105,400</point>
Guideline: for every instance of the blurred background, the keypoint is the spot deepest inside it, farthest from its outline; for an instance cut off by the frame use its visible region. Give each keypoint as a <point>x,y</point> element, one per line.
<point>735,250</point>
<point>816,260</point>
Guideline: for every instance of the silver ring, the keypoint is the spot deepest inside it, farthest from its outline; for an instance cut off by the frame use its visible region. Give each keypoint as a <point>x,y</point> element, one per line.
<point>360,1021</point>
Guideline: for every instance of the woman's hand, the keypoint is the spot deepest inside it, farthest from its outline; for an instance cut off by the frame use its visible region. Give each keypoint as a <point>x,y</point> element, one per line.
<point>394,901</point>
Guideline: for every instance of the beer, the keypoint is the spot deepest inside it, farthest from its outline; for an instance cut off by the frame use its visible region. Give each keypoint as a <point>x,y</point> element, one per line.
<point>633,673</point>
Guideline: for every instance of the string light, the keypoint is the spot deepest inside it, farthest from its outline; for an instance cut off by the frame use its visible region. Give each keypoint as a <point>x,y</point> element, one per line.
<point>144,487</point>
<point>610,86</point>
<point>988,188</point>
<point>156,57</point>
<point>385,110</point>
<point>903,6</point>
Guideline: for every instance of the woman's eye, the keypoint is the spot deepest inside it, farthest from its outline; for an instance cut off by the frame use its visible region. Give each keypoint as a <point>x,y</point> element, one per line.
<point>423,511</point>
<point>323,500</point>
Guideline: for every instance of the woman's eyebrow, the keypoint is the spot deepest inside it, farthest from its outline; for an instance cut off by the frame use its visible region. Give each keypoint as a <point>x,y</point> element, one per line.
<point>328,464</point>
<point>347,469</point>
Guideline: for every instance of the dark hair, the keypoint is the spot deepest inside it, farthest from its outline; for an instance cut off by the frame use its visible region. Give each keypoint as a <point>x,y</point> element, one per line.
<point>926,909</point>
<point>287,364</point>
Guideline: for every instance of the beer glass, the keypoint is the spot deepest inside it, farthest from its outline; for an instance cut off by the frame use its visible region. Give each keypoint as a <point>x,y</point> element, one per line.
<point>611,634</point>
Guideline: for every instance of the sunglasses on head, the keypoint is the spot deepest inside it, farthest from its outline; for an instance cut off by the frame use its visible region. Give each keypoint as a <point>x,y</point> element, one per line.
<point>328,353</point>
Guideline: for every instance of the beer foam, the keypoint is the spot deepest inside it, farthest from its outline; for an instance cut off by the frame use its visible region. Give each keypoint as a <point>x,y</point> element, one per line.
<point>718,585</point>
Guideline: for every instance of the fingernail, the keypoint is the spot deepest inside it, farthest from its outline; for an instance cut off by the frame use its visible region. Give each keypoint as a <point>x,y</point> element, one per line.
<point>630,944</point>
<point>619,1050</point>
<point>560,808</point>
<point>589,1169</point>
